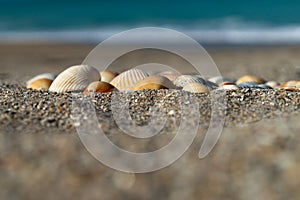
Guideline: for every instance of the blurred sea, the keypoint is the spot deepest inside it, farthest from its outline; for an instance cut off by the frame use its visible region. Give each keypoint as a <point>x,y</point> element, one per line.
<point>209,22</point>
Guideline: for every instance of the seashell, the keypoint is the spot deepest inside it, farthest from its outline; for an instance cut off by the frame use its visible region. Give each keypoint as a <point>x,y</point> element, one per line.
<point>228,87</point>
<point>99,86</point>
<point>226,83</point>
<point>272,84</point>
<point>169,75</point>
<point>108,76</point>
<point>294,89</point>
<point>41,82</point>
<point>127,79</point>
<point>291,84</point>
<point>196,88</point>
<point>153,83</point>
<point>249,78</point>
<point>253,85</point>
<point>75,79</point>
<point>211,85</point>
<point>182,80</point>
<point>220,79</point>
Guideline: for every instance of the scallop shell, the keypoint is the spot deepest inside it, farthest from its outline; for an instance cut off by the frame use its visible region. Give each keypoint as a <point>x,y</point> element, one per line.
<point>182,80</point>
<point>169,75</point>
<point>41,82</point>
<point>153,83</point>
<point>195,88</point>
<point>75,79</point>
<point>108,76</point>
<point>99,86</point>
<point>127,79</point>
<point>249,78</point>
<point>291,84</point>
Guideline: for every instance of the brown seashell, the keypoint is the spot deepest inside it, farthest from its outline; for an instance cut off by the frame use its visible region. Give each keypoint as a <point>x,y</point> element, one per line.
<point>41,82</point>
<point>75,78</point>
<point>153,83</point>
<point>127,79</point>
<point>294,89</point>
<point>293,83</point>
<point>226,83</point>
<point>99,86</point>
<point>108,76</point>
<point>249,78</point>
<point>196,88</point>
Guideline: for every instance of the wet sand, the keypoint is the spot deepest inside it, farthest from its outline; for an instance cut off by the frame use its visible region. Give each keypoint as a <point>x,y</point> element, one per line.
<point>256,156</point>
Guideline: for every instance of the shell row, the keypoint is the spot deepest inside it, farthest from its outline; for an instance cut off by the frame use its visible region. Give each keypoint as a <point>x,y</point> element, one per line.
<point>87,79</point>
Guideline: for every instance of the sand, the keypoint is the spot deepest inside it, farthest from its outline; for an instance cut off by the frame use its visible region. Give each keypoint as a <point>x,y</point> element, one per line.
<point>256,155</point>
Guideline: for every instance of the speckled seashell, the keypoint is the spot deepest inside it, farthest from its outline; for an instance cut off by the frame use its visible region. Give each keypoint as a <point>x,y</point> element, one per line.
<point>219,79</point>
<point>196,88</point>
<point>291,84</point>
<point>253,85</point>
<point>249,78</point>
<point>41,82</point>
<point>182,80</point>
<point>75,79</point>
<point>272,84</point>
<point>99,86</point>
<point>169,75</point>
<point>127,79</point>
<point>153,83</point>
<point>108,76</point>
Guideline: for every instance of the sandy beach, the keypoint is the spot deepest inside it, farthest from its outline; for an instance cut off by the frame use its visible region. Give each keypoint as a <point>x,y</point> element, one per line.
<point>257,155</point>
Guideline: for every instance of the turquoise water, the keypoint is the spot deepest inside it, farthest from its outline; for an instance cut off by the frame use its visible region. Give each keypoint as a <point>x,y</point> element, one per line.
<point>222,21</point>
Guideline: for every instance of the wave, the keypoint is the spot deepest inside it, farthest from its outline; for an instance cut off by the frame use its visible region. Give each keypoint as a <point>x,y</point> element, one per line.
<point>232,35</point>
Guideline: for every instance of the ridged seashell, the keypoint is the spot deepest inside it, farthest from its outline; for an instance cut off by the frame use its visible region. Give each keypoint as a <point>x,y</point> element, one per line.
<point>41,82</point>
<point>169,74</point>
<point>75,79</point>
<point>272,84</point>
<point>153,83</point>
<point>108,76</point>
<point>99,86</point>
<point>127,79</point>
<point>291,84</point>
<point>182,80</point>
<point>249,78</point>
<point>219,79</point>
<point>196,88</point>
<point>253,85</point>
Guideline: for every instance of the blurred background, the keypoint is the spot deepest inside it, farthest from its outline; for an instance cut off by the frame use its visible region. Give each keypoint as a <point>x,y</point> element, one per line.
<point>210,22</point>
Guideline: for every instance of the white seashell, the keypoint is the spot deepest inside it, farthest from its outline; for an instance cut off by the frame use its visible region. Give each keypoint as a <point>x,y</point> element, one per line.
<point>171,75</point>
<point>108,76</point>
<point>219,79</point>
<point>75,79</point>
<point>42,81</point>
<point>228,87</point>
<point>195,88</point>
<point>153,83</point>
<point>272,84</point>
<point>127,79</point>
<point>182,80</point>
